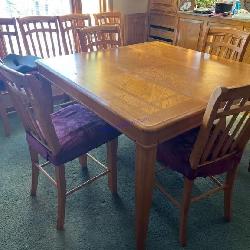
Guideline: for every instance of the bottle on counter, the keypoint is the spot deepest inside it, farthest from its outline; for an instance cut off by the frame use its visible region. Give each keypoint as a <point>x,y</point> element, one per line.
<point>236,7</point>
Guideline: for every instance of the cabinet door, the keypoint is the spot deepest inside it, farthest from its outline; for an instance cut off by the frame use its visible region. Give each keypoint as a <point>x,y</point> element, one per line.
<point>189,33</point>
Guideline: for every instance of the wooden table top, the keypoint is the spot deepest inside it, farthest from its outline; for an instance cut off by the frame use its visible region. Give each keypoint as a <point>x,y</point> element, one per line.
<point>151,85</point>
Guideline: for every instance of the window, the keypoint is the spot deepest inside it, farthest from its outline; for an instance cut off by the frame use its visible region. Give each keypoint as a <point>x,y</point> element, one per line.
<point>19,8</point>
<point>90,6</point>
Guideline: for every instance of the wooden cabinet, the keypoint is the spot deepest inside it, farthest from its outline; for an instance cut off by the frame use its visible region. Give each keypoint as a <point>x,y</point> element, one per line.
<point>191,30</point>
<point>189,33</point>
<point>162,20</point>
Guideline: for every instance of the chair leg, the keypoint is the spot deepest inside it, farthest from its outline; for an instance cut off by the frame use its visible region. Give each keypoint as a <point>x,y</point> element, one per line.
<point>35,171</point>
<point>188,184</point>
<point>228,193</point>
<point>83,160</point>
<point>4,116</point>
<point>111,162</point>
<point>249,167</point>
<point>61,196</point>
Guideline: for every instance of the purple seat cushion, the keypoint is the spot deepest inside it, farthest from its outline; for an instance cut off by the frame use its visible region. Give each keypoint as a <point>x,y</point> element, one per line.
<point>176,152</point>
<point>79,130</point>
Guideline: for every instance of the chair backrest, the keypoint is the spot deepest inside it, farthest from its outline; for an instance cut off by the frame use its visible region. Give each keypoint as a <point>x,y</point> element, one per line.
<point>99,37</point>
<point>108,18</point>
<point>226,42</point>
<point>9,37</point>
<point>225,129</point>
<point>29,94</point>
<point>41,36</point>
<point>68,25</point>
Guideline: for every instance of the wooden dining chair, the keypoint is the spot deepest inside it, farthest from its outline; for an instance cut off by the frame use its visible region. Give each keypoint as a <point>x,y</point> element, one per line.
<point>68,25</point>
<point>9,44</point>
<point>108,18</point>
<point>99,38</point>
<point>41,37</point>
<point>226,42</point>
<point>59,137</point>
<point>212,149</point>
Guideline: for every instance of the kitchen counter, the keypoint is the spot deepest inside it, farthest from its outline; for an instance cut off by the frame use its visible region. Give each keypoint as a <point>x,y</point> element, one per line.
<point>191,29</point>
<point>214,18</point>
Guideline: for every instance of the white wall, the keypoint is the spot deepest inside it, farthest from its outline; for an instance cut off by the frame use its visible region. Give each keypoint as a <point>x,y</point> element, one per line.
<point>130,6</point>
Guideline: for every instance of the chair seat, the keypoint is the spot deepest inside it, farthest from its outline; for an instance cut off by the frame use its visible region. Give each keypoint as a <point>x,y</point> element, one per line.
<point>176,152</point>
<point>79,131</point>
<point>22,64</point>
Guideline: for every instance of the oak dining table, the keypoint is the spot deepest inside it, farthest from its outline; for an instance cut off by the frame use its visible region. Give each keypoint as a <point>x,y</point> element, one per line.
<point>151,92</point>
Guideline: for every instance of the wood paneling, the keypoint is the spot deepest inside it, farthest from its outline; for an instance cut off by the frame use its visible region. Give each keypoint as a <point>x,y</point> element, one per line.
<point>135,28</point>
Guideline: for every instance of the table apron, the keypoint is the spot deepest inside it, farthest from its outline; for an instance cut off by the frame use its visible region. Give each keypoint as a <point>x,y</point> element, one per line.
<point>145,138</point>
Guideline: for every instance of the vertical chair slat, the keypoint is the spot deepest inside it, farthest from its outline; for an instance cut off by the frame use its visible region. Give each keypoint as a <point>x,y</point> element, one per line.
<point>51,40</point>
<point>9,39</point>
<point>38,40</point>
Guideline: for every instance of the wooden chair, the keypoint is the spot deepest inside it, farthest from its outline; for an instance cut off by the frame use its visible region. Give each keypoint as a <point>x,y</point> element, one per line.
<point>61,136</point>
<point>41,37</point>
<point>227,43</point>
<point>213,149</point>
<point>108,18</point>
<point>99,37</point>
<point>68,25</point>
<point>9,44</point>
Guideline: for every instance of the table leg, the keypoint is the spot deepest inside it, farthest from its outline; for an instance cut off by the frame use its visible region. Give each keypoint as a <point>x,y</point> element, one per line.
<point>145,173</point>
<point>48,97</point>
